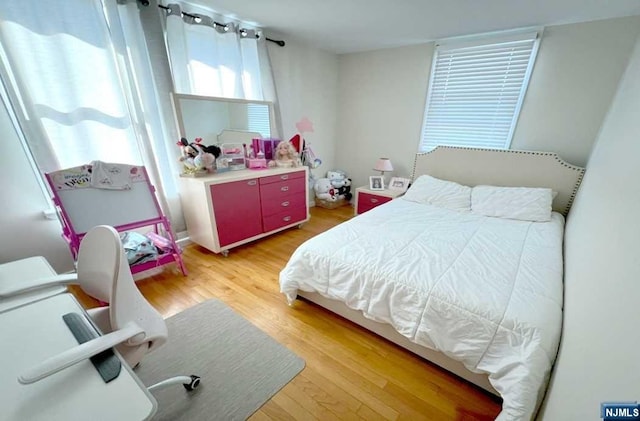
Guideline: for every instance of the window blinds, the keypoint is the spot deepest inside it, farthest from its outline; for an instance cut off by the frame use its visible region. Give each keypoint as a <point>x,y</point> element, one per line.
<point>476,90</point>
<point>258,119</point>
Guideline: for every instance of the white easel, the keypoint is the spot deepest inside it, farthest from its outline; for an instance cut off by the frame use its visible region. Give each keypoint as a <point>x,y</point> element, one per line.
<point>81,207</point>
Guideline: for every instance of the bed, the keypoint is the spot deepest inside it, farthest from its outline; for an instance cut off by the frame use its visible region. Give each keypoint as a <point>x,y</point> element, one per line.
<point>479,295</point>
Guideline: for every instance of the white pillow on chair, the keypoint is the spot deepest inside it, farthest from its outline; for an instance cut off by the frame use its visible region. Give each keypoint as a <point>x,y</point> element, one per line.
<point>521,203</point>
<point>433,191</point>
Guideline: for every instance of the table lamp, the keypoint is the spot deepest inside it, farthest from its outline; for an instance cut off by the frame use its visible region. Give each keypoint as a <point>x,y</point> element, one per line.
<point>383,164</point>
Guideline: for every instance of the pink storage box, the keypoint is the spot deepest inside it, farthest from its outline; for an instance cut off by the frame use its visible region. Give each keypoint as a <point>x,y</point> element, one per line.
<point>257,163</point>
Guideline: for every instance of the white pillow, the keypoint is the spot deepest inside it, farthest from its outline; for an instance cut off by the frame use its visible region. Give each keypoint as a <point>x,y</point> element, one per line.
<point>522,203</point>
<point>433,191</point>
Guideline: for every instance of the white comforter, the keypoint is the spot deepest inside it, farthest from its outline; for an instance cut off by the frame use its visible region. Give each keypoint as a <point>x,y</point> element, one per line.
<point>485,291</point>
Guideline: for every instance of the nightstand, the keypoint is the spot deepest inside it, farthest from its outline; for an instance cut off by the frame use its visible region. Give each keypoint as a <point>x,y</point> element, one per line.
<point>367,199</point>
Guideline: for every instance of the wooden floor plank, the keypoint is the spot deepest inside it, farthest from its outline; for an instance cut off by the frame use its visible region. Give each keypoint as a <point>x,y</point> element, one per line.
<point>317,401</point>
<point>294,408</point>
<point>350,373</point>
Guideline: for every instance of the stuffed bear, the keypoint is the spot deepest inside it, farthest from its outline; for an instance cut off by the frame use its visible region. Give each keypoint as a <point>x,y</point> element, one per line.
<point>341,183</point>
<point>345,190</point>
<point>325,191</point>
<point>337,178</point>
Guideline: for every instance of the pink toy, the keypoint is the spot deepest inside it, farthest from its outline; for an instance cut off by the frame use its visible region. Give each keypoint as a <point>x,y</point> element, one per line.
<point>80,207</point>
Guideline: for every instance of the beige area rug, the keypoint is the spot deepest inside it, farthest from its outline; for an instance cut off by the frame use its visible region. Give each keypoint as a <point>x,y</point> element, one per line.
<point>241,367</point>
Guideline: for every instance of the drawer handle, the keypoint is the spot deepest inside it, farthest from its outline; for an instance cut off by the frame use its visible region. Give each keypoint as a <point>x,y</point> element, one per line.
<point>285,204</point>
<point>374,200</point>
<point>284,188</point>
<point>252,182</point>
<point>284,177</point>
<point>286,219</point>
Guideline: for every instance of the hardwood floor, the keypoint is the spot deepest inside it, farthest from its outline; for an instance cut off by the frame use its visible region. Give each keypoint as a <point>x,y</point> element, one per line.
<point>350,373</point>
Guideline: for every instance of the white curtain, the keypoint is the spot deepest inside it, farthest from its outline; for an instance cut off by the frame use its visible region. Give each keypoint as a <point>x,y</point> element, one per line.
<point>59,70</point>
<point>215,60</point>
<point>157,143</point>
<point>80,83</point>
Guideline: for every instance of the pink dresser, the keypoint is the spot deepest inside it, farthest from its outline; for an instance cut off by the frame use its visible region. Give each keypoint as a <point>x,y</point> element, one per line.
<point>229,209</point>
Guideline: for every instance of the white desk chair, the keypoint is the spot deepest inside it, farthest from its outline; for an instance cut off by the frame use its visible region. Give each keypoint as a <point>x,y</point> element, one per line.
<point>129,323</point>
<point>13,274</point>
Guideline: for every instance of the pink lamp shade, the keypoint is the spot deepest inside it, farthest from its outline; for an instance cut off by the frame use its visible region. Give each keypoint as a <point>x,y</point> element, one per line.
<point>383,164</point>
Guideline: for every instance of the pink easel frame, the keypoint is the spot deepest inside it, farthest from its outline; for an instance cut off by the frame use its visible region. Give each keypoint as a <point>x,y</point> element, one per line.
<point>78,178</point>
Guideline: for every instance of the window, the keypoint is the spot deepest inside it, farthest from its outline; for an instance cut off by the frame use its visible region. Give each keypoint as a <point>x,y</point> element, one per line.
<point>78,83</point>
<point>258,119</point>
<point>476,90</point>
<point>211,59</point>
<point>65,84</point>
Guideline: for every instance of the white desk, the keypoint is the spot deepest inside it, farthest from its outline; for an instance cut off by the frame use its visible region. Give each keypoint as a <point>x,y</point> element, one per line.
<point>36,331</point>
<point>29,268</point>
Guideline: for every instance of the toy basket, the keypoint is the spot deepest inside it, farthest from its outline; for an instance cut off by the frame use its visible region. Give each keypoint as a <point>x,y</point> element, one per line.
<point>330,205</point>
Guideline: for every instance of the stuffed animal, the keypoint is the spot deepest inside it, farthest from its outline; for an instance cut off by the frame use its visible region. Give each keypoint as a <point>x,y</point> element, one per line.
<point>338,178</point>
<point>196,156</point>
<point>341,183</point>
<point>325,191</point>
<point>345,190</point>
<point>285,155</point>
<point>204,159</point>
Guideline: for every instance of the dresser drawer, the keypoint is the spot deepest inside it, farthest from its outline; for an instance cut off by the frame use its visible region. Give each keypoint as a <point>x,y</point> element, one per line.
<point>282,219</point>
<point>281,189</point>
<point>282,177</point>
<point>368,201</point>
<point>270,206</point>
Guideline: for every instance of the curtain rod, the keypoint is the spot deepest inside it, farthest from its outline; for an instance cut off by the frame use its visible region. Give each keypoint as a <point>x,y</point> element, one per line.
<point>279,42</point>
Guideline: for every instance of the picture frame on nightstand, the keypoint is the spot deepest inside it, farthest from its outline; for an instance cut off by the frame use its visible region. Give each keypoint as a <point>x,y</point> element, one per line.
<point>399,184</point>
<point>376,182</point>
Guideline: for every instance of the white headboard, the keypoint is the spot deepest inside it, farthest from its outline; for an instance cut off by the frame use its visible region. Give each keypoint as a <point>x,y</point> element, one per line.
<point>499,167</point>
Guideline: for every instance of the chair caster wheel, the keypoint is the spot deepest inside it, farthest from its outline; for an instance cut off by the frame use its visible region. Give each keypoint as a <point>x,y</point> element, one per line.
<point>195,382</point>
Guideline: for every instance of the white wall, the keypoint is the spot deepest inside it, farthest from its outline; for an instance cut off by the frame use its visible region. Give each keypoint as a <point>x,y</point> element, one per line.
<point>380,107</point>
<point>598,359</point>
<point>382,93</point>
<point>306,84</point>
<point>25,231</point>
<point>573,82</point>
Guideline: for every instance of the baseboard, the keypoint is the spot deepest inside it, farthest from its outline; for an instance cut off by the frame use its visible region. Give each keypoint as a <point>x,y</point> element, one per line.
<point>182,239</point>
<point>147,273</point>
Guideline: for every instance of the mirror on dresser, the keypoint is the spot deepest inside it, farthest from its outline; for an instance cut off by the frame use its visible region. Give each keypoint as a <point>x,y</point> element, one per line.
<point>206,117</point>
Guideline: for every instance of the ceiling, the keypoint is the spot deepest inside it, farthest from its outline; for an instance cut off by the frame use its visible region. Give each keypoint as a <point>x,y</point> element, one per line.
<point>347,26</point>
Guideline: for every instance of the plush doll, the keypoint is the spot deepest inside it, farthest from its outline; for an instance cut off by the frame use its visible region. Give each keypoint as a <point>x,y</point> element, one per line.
<point>345,190</point>
<point>285,155</point>
<point>196,156</point>
<point>338,178</point>
<point>341,183</point>
<point>325,191</point>
<point>204,159</point>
